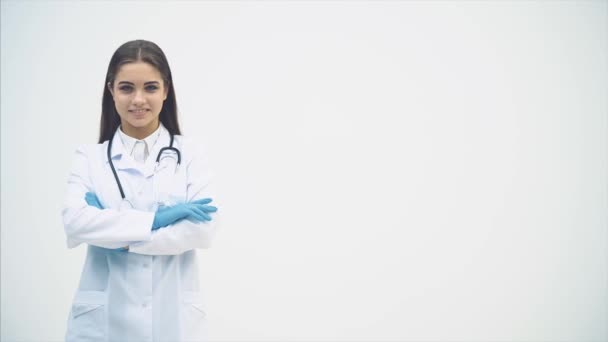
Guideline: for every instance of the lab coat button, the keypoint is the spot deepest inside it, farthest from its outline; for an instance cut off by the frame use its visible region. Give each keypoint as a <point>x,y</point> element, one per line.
<point>144,305</point>
<point>145,265</point>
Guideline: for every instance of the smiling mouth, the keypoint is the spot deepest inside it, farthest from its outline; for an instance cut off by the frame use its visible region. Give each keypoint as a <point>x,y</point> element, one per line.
<point>139,111</point>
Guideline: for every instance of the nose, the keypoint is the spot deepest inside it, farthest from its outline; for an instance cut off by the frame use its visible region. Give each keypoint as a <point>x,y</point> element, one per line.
<point>139,97</point>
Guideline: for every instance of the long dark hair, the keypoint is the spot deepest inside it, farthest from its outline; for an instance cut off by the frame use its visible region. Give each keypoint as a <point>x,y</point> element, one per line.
<point>131,52</point>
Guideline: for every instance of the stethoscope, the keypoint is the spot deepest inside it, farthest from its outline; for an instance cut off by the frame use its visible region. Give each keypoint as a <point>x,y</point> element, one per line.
<point>125,203</point>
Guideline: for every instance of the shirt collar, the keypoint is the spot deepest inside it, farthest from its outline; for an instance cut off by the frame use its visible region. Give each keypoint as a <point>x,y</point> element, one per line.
<point>119,147</point>
<point>129,142</point>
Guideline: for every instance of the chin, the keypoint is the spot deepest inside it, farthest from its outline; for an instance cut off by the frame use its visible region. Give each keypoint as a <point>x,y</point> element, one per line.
<point>140,123</point>
<point>143,122</point>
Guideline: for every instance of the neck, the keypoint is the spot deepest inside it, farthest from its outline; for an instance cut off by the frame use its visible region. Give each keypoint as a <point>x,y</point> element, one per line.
<point>139,133</point>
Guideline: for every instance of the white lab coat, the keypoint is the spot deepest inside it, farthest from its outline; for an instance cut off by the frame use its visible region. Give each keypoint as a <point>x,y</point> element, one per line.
<point>151,292</point>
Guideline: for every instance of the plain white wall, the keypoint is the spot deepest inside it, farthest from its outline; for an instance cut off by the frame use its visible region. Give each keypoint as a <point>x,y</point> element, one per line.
<point>389,170</point>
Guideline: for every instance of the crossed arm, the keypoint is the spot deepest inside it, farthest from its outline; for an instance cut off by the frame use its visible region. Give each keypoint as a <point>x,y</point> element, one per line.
<point>169,231</point>
<point>197,211</point>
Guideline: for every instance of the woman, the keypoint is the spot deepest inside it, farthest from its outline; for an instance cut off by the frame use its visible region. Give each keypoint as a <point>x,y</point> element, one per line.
<point>141,213</point>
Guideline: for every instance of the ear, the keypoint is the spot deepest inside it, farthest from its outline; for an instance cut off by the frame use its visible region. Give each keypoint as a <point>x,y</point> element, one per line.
<point>166,92</point>
<point>110,88</point>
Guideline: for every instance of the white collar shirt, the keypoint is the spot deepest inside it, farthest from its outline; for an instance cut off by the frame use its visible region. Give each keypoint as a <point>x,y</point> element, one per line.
<point>139,149</point>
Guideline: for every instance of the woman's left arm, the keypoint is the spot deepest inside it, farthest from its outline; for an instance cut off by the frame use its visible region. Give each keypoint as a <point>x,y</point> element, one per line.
<point>186,234</point>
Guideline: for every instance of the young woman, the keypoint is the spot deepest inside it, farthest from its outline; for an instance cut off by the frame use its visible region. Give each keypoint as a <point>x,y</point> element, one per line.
<point>140,200</point>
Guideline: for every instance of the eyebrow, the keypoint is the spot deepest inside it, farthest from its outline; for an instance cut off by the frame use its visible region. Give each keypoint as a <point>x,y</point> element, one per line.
<point>131,83</point>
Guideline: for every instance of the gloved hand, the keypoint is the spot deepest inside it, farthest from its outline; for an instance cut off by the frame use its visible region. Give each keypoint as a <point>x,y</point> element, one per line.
<point>92,200</point>
<point>206,208</point>
<point>196,210</point>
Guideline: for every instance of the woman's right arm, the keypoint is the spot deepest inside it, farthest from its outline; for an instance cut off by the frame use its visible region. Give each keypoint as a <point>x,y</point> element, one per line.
<point>108,228</point>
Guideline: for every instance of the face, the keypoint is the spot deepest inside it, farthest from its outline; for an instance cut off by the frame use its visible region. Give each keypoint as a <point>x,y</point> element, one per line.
<point>139,93</point>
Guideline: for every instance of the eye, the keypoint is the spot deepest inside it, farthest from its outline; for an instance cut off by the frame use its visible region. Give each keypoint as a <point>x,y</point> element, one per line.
<point>151,88</point>
<point>125,88</point>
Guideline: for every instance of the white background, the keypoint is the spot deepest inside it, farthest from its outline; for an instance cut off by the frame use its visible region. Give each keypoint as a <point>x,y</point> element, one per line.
<point>404,171</point>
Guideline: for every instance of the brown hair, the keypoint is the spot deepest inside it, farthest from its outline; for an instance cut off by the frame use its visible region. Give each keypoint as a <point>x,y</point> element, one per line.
<point>131,52</point>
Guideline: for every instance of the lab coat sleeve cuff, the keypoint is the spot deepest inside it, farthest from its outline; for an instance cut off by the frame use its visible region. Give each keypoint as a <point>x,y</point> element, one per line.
<point>143,227</point>
<point>178,238</point>
<point>108,226</point>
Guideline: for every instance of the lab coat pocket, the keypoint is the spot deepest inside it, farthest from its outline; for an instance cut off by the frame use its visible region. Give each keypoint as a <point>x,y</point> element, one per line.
<point>194,317</point>
<point>88,317</point>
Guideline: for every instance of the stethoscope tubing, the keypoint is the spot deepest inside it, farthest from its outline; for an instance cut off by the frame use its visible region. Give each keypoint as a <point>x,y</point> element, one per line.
<point>167,148</point>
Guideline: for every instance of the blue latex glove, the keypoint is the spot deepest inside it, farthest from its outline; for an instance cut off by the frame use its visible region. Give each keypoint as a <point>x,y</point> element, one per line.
<point>196,210</point>
<point>93,201</point>
<point>206,208</point>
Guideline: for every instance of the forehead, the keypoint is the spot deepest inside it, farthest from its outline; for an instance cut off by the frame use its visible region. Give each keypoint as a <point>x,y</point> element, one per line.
<point>138,72</point>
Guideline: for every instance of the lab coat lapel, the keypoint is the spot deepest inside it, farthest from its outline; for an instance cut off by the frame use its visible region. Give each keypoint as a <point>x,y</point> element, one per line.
<point>120,157</point>
<point>163,141</point>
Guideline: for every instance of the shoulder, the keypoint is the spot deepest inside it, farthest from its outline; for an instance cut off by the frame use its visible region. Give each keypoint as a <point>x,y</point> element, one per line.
<point>91,151</point>
<point>191,147</point>
<point>194,155</point>
<point>87,156</point>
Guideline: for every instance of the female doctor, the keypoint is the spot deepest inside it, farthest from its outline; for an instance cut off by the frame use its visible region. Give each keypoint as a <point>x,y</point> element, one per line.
<point>140,201</point>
